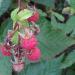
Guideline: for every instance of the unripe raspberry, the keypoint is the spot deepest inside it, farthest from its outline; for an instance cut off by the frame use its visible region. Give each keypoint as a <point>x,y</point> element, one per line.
<point>34,17</point>
<point>35,55</point>
<point>29,43</point>
<point>4,51</point>
<point>18,67</point>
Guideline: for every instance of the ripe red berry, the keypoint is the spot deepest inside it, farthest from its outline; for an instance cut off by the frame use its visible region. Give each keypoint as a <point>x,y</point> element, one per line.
<point>4,51</point>
<point>35,55</point>
<point>29,43</point>
<point>34,17</point>
<point>18,67</point>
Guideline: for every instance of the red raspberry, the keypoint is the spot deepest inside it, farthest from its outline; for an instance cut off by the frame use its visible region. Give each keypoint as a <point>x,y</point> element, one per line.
<point>18,67</point>
<point>35,56</point>
<point>4,51</point>
<point>29,43</point>
<point>34,17</point>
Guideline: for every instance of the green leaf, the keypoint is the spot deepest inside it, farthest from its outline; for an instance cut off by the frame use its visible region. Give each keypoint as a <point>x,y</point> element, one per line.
<point>5,65</point>
<point>72,3</point>
<point>24,14</point>
<point>14,15</point>
<point>70,72</point>
<point>68,10</point>
<point>55,24</point>
<point>58,16</point>
<point>45,67</point>
<point>67,27</point>
<point>5,26</point>
<point>4,5</point>
<point>72,11</point>
<point>24,23</point>
<point>15,38</point>
<point>70,59</point>
<point>70,25</point>
<point>48,3</point>
<point>42,13</point>
<point>51,41</point>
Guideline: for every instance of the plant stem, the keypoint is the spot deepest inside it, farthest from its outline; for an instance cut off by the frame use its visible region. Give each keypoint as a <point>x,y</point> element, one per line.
<point>67,50</point>
<point>19,3</point>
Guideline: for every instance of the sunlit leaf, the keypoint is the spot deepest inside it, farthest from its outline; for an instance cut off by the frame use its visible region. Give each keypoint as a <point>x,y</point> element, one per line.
<point>24,14</point>
<point>14,15</point>
<point>15,38</point>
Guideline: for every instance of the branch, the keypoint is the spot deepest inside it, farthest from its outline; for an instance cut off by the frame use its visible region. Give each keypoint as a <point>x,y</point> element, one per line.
<point>66,51</point>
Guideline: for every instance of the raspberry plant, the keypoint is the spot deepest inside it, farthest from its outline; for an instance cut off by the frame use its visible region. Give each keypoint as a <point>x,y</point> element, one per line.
<point>37,37</point>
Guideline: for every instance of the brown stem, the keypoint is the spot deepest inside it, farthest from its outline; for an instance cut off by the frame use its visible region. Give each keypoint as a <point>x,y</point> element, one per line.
<point>19,3</point>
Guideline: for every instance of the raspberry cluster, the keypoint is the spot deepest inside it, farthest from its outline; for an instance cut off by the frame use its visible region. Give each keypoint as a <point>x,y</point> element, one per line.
<point>21,42</point>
